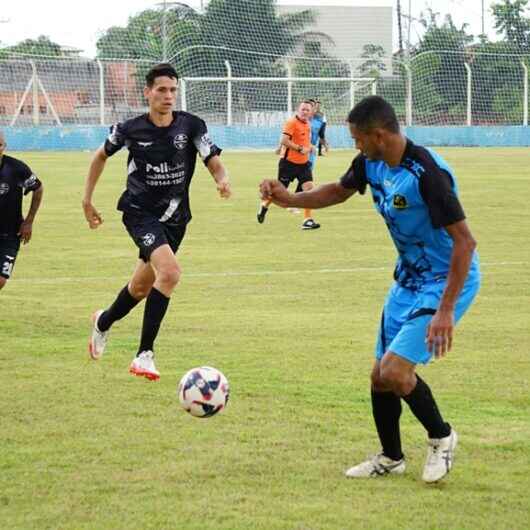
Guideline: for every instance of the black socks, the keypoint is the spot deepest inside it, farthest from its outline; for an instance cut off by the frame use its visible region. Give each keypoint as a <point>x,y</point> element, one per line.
<point>386,407</point>
<point>122,306</point>
<point>155,309</point>
<point>423,406</point>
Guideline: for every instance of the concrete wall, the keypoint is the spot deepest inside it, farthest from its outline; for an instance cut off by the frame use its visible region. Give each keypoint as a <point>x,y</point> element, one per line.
<point>89,138</point>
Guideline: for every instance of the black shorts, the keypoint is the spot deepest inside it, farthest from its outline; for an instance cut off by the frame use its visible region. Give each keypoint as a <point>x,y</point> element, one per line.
<point>288,171</point>
<point>148,233</point>
<point>8,254</point>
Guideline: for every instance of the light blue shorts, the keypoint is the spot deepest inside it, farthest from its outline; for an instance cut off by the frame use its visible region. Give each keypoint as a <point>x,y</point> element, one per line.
<point>407,314</point>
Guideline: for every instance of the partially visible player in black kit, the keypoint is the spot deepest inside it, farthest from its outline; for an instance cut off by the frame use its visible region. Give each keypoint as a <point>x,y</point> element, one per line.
<point>16,180</point>
<point>163,147</point>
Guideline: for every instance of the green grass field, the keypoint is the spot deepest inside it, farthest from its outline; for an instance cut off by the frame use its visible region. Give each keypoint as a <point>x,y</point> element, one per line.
<point>291,318</point>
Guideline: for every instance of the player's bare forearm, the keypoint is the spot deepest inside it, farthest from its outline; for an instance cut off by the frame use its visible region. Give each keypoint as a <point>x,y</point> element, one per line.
<point>97,165</point>
<point>286,141</point>
<point>36,199</point>
<point>463,248</point>
<point>94,172</point>
<point>320,197</point>
<point>220,176</point>
<point>440,331</point>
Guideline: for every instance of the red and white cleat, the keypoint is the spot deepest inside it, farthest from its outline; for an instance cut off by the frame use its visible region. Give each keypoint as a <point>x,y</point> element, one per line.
<point>144,366</point>
<point>98,339</point>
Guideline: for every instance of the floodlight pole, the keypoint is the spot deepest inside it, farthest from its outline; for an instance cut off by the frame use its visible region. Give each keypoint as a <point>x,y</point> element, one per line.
<point>469,94</point>
<point>525,93</point>
<point>228,94</point>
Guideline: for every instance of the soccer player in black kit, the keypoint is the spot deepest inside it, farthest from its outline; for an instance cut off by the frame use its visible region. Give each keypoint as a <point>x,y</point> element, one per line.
<point>163,147</point>
<point>16,180</point>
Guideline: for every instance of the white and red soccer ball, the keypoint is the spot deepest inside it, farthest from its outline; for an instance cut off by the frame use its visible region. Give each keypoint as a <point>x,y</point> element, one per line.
<point>203,391</point>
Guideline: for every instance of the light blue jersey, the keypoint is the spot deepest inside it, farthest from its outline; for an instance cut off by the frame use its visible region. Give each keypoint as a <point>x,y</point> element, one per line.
<point>317,122</point>
<point>416,199</point>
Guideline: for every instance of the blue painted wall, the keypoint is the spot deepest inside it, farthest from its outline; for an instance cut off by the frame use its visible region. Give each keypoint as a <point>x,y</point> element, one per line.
<point>241,137</point>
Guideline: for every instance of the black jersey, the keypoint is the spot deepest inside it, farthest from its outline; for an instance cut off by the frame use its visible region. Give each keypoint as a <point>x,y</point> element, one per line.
<point>161,163</point>
<point>16,178</point>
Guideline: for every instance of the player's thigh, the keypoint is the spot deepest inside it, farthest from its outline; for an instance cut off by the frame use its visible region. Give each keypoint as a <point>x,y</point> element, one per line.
<point>396,310</point>
<point>8,255</point>
<point>409,343</point>
<point>305,177</point>
<point>142,279</point>
<point>147,232</point>
<point>165,263</point>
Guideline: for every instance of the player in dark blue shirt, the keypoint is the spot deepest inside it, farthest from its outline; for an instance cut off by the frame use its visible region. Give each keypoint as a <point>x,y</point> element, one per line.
<point>163,146</point>
<point>16,180</point>
<point>436,276</point>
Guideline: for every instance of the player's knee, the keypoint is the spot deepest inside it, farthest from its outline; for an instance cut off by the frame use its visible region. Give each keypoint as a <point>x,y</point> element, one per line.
<point>139,290</point>
<point>376,381</point>
<point>170,275</point>
<point>3,281</point>
<point>399,381</point>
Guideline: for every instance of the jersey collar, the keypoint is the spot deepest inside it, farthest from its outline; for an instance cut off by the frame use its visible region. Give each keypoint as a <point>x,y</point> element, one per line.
<point>408,151</point>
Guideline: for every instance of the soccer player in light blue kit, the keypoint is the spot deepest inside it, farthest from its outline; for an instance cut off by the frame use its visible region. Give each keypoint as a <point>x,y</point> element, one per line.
<point>318,128</point>
<point>436,276</point>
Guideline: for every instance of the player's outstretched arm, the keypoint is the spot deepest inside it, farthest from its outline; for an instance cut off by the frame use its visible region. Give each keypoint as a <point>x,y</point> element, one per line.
<point>218,172</point>
<point>440,332</point>
<point>97,165</point>
<point>26,228</point>
<point>319,197</point>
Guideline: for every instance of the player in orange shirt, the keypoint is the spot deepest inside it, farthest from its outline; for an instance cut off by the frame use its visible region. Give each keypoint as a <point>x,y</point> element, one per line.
<point>294,159</point>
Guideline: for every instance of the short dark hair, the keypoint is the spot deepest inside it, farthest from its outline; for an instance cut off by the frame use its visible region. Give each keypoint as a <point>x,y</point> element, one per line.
<point>372,112</point>
<point>160,70</point>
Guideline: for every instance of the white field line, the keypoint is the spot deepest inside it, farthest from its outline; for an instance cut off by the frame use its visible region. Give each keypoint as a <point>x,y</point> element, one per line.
<point>80,279</point>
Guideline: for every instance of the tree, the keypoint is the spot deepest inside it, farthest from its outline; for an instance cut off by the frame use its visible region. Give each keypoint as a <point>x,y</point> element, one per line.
<point>142,38</point>
<point>256,31</point>
<point>41,46</point>
<point>374,65</point>
<point>438,68</point>
<point>510,21</point>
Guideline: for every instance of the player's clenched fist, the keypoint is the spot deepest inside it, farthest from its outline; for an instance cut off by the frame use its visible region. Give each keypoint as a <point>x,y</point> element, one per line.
<point>275,191</point>
<point>92,216</point>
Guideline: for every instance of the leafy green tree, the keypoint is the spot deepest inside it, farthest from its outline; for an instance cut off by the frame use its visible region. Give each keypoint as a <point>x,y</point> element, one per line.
<point>511,22</point>
<point>374,65</point>
<point>40,46</point>
<point>439,75</point>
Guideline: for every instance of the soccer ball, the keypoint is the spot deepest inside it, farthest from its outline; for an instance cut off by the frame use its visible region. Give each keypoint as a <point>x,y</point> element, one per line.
<point>203,392</point>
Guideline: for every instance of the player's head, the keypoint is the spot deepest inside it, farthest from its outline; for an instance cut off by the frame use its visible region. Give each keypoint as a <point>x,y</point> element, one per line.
<point>372,122</point>
<point>305,110</point>
<point>161,88</point>
<point>2,143</point>
<point>316,105</point>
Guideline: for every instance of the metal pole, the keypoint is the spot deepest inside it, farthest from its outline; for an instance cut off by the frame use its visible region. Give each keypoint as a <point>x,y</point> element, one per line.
<point>183,103</point>
<point>525,93</point>
<point>22,100</point>
<point>228,94</point>
<point>101,94</point>
<point>468,70</point>
<point>408,118</point>
<point>409,28</point>
<point>289,87</point>
<point>352,87</point>
<point>35,95</point>
<point>49,102</point>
